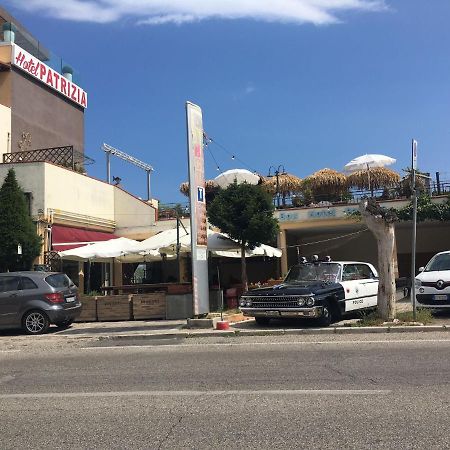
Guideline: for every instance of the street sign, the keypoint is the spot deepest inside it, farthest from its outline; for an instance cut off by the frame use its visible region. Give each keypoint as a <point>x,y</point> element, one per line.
<point>19,249</point>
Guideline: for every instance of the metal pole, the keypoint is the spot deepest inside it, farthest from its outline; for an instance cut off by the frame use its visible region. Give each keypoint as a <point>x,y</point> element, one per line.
<point>438,183</point>
<point>278,187</point>
<point>148,185</point>
<point>414,231</point>
<point>178,247</point>
<point>220,294</point>
<point>108,167</point>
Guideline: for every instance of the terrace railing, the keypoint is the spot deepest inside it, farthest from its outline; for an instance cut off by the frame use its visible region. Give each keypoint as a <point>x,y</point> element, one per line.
<point>62,156</point>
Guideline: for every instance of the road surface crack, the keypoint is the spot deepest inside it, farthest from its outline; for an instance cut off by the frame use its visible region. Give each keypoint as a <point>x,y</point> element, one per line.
<point>170,432</point>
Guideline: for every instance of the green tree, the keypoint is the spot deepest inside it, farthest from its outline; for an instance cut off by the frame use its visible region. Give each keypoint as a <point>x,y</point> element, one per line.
<point>16,227</point>
<point>245,213</point>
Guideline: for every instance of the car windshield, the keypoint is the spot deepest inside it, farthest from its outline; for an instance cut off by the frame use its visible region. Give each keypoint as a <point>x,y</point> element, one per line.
<point>439,262</point>
<point>314,272</point>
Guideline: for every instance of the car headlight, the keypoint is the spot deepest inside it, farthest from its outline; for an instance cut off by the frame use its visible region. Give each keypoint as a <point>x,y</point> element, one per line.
<point>242,302</point>
<point>417,282</point>
<point>310,301</point>
<point>248,303</point>
<point>301,301</point>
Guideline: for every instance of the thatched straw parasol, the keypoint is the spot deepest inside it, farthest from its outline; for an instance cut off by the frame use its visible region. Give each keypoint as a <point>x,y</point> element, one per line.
<point>287,184</point>
<point>326,184</point>
<point>327,180</point>
<point>282,185</point>
<point>210,187</point>
<point>374,178</point>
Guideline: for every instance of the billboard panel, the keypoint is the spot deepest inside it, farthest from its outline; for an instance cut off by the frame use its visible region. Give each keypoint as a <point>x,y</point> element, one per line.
<point>197,199</point>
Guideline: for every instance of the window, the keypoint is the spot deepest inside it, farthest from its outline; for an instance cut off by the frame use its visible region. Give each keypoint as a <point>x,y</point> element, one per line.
<point>438,263</point>
<point>350,273</point>
<point>27,283</point>
<point>59,280</point>
<point>357,272</point>
<point>8,284</point>
<point>365,271</point>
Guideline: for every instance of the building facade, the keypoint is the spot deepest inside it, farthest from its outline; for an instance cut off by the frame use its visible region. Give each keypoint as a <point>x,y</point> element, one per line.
<point>42,109</point>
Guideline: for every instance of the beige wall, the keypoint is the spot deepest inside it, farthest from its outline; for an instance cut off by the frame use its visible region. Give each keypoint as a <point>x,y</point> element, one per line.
<point>70,191</point>
<point>134,218</point>
<point>81,201</point>
<point>5,130</point>
<point>31,179</point>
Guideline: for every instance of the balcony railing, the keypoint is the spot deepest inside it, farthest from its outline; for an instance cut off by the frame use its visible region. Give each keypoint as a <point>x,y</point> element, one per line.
<point>62,156</point>
<point>355,196</point>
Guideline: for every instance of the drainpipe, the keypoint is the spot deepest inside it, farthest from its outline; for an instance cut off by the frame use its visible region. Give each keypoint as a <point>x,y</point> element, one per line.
<point>9,32</point>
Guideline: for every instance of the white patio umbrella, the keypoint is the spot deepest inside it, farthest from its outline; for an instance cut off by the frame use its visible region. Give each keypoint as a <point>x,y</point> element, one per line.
<point>239,175</point>
<point>367,161</point>
<point>219,243</point>
<point>261,250</point>
<point>101,250</point>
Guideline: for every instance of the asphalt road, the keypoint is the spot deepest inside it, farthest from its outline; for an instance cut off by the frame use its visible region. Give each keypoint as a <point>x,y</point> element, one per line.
<point>330,392</point>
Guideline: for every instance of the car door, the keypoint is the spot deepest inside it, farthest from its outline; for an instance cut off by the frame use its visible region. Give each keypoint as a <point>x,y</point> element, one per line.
<point>369,283</point>
<point>9,299</point>
<point>354,289</point>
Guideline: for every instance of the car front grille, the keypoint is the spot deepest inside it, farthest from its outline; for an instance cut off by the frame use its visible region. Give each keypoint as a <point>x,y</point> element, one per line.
<point>279,301</point>
<point>433,284</point>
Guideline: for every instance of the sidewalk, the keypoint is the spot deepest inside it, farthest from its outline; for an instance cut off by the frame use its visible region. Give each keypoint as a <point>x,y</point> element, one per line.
<point>176,329</point>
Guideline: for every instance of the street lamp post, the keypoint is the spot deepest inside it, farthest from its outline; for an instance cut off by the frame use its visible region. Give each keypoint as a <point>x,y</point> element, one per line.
<point>277,186</point>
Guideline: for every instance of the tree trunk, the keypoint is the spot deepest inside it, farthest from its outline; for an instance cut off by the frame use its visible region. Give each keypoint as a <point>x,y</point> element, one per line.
<point>384,232</point>
<point>243,268</point>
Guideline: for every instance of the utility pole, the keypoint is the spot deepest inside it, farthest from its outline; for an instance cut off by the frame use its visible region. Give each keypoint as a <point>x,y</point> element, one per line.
<point>414,224</point>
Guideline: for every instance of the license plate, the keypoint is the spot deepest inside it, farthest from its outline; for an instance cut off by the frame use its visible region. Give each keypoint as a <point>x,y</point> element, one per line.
<point>440,297</point>
<point>70,299</point>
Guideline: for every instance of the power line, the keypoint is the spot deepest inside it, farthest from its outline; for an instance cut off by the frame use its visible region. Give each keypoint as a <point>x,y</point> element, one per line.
<point>233,155</point>
<point>328,240</point>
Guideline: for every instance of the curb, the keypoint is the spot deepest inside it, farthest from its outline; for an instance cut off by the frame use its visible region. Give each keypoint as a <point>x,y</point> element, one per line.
<point>189,334</point>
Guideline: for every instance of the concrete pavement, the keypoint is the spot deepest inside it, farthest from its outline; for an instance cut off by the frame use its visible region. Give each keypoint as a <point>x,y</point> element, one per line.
<point>258,392</point>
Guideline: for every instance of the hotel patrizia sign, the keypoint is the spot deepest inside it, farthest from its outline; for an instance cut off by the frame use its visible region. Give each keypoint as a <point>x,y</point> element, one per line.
<point>45,74</point>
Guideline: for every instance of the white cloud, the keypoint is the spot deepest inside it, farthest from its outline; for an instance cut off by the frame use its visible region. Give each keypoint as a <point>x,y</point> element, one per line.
<point>158,12</point>
<point>250,89</point>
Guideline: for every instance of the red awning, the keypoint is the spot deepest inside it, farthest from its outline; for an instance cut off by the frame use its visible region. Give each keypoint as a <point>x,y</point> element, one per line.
<point>66,238</point>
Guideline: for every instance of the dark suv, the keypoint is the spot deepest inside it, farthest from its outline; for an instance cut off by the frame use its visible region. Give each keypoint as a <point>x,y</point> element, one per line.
<point>34,300</point>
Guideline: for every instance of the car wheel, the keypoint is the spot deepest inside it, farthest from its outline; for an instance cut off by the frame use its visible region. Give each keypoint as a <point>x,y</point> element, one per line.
<point>64,324</point>
<point>262,320</point>
<point>329,314</point>
<point>35,322</point>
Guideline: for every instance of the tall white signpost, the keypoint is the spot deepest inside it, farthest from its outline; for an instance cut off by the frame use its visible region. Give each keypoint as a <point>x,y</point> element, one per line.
<point>199,250</point>
<point>414,230</point>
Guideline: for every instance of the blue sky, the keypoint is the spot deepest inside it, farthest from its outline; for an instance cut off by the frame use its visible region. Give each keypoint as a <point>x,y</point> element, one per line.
<point>303,83</point>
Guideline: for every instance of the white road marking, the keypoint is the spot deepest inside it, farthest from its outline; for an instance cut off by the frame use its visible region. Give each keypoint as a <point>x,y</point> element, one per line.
<point>6,378</point>
<point>290,392</point>
<point>249,344</point>
<point>9,351</point>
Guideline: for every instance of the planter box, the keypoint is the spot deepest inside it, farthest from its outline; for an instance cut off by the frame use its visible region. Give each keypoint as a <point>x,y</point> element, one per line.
<point>179,289</point>
<point>114,307</point>
<point>89,311</point>
<point>149,306</point>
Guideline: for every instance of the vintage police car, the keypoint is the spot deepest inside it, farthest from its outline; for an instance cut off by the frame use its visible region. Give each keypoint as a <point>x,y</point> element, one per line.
<point>433,283</point>
<point>322,290</point>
